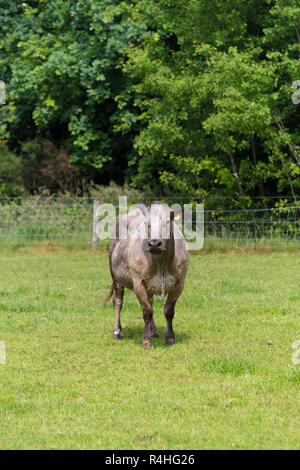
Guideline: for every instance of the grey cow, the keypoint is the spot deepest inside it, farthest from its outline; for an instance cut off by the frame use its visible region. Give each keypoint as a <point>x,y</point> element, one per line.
<point>148,265</point>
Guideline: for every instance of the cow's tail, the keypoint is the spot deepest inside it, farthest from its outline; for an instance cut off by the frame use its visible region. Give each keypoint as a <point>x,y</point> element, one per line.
<point>109,295</point>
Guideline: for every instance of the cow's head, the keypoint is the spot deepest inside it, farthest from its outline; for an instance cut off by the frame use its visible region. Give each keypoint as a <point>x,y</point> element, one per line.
<point>160,230</point>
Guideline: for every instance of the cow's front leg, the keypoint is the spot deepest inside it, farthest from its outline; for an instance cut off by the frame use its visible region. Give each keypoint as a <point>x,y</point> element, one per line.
<point>154,333</point>
<point>169,311</point>
<point>143,297</point>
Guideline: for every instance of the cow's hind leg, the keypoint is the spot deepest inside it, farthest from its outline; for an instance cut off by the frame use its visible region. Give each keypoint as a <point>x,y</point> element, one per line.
<point>118,302</point>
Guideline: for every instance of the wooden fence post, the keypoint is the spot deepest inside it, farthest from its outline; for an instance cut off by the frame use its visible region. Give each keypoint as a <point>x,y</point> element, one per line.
<point>95,223</point>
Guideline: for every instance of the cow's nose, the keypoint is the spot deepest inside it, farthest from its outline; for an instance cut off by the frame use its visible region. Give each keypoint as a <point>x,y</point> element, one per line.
<point>154,243</point>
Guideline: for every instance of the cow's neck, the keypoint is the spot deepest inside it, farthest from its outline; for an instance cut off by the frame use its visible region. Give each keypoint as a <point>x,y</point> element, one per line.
<point>161,261</point>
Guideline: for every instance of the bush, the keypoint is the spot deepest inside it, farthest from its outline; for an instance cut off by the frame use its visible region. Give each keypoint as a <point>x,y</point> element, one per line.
<point>46,166</point>
<point>10,174</point>
<point>112,192</point>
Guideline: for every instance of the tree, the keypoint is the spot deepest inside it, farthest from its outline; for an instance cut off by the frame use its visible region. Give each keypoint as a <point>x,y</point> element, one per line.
<point>183,97</point>
<point>212,102</point>
<point>61,62</point>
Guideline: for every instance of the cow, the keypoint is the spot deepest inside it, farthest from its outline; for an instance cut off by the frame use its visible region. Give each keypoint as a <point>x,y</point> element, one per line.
<point>147,265</point>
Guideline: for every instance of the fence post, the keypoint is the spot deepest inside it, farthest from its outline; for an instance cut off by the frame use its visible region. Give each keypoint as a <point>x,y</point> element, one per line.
<point>95,222</point>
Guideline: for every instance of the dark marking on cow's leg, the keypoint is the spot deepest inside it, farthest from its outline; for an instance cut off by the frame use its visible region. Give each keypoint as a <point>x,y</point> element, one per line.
<point>154,333</point>
<point>145,303</point>
<point>147,314</point>
<point>118,302</point>
<point>169,311</point>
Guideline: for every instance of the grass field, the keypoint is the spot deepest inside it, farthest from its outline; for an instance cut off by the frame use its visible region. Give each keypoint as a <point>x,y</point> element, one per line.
<point>229,382</point>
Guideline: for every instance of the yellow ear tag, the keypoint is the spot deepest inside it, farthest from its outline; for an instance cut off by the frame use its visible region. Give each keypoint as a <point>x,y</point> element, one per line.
<point>177,217</point>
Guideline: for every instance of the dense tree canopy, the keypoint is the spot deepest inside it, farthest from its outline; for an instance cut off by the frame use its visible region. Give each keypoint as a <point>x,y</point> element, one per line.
<point>61,62</point>
<point>182,97</point>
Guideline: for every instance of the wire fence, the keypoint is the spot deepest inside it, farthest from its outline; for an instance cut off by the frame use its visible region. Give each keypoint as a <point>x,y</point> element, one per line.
<point>29,223</point>
<point>25,222</point>
<point>282,223</point>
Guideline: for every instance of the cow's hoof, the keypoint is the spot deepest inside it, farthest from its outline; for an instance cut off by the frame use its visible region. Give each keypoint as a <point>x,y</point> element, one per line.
<point>118,336</point>
<point>170,341</point>
<point>146,345</point>
<point>154,335</point>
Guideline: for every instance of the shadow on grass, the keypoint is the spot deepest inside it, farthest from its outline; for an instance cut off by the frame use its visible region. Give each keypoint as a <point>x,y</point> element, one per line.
<point>135,334</point>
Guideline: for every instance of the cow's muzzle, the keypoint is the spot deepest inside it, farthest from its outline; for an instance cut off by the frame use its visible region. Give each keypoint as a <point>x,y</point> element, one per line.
<point>155,246</point>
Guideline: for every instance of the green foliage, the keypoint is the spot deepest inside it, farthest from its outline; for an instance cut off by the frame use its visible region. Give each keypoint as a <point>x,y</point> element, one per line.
<point>111,193</point>
<point>131,92</point>
<point>10,174</point>
<point>216,111</point>
<point>46,167</point>
<point>62,66</point>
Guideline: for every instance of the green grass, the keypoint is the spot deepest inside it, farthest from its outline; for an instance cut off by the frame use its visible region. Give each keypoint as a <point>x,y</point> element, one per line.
<point>228,383</point>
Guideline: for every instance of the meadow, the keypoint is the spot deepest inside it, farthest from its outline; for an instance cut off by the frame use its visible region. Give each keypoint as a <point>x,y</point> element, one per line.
<point>228,383</point>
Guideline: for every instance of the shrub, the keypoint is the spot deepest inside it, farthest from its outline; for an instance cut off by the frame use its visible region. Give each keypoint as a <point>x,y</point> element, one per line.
<point>113,191</point>
<point>10,174</point>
